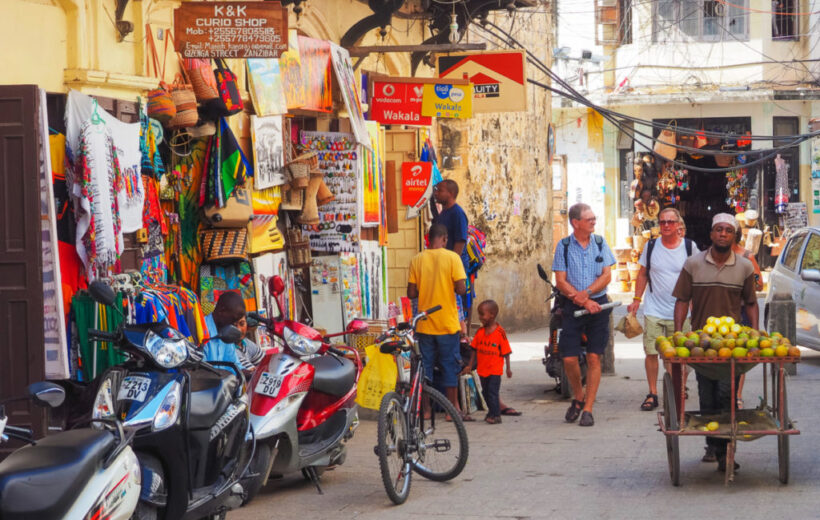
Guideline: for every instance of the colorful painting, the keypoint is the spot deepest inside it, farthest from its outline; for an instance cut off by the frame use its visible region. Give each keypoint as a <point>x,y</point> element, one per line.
<point>264,234</point>
<point>315,62</point>
<point>290,70</point>
<point>267,92</point>
<point>346,78</point>
<point>372,178</point>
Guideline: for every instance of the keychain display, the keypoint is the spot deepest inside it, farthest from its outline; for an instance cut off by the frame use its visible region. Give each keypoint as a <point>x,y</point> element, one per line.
<point>338,227</point>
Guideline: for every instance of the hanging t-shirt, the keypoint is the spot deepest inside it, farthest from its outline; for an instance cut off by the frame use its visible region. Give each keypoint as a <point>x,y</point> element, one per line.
<point>664,272</point>
<point>126,137</point>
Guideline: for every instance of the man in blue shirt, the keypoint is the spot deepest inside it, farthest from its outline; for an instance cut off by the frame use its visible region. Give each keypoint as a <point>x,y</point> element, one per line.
<point>454,219</point>
<point>582,266</point>
<point>230,310</point>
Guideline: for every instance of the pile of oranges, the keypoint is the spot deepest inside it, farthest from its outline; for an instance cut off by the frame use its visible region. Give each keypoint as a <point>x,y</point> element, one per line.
<point>721,337</point>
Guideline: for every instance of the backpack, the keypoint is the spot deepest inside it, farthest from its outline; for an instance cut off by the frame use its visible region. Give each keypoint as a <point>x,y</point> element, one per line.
<point>599,241</point>
<point>476,242</point>
<point>651,245</point>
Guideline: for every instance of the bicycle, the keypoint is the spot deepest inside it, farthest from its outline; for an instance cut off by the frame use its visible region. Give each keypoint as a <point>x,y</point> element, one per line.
<point>407,440</point>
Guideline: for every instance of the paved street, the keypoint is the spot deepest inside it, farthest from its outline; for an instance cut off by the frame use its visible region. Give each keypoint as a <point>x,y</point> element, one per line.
<point>537,466</point>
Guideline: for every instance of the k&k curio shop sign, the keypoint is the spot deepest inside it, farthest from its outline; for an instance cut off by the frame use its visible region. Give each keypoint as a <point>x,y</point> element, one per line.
<point>231,29</point>
<point>397,103</point>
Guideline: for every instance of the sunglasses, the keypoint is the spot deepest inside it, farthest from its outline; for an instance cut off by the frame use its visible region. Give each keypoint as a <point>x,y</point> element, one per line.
<point>667,222</point>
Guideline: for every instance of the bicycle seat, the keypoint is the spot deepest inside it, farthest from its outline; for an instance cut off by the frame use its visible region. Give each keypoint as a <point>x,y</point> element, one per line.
<point>391,347</point>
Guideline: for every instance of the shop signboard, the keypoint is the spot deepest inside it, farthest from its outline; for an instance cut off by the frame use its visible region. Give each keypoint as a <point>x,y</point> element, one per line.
<point>397,101</point>
<point>499,78</point>
<point>447,100</point>
<point>231,29</point>
<point>415,182</point>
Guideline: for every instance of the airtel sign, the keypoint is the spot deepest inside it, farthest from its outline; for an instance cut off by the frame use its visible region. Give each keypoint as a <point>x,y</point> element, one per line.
<point>415,183</point>
<point>397,103</point>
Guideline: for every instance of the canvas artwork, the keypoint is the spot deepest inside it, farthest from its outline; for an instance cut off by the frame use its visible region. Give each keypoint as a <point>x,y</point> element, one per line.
<point>266,89</point>
<point>290,69</point>
<point>346,78</point>
<point>314,56</point>
<point>268,151</point>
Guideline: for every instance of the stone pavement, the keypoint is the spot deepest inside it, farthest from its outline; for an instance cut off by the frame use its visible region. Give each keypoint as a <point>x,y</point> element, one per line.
<point>537,466</point>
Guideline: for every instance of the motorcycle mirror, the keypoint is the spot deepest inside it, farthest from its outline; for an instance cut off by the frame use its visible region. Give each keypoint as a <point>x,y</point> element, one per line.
<point>276,286</point>
<point>102,293</point>
<point>357,327</point>
<point>542,273</point>
<point>46,394</point>
<point>230,334</point>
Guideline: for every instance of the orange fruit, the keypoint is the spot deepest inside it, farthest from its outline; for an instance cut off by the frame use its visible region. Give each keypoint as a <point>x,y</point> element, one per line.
<point>710,352</point>
<point>781,351</point>
<point>669,353</point>
<point>765,343</point>
<point>725,352</point>
<point>794,351</point>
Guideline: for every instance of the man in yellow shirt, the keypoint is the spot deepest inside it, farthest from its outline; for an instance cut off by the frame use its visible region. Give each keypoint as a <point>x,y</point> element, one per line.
<point>436,276</point>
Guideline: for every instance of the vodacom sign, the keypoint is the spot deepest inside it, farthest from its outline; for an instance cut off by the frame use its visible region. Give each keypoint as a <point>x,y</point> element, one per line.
<point>416,187</point>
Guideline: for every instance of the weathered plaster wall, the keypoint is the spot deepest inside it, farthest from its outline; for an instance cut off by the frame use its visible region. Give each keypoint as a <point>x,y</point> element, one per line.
<point>500,163</point>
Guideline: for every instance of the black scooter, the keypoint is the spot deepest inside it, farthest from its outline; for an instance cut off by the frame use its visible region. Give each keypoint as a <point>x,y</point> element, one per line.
<point>552,357</point>
<point>189,418</point>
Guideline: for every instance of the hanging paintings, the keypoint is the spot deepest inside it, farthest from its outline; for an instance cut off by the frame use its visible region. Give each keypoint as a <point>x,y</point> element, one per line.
<point>267,92</point>
<point>265,267</point>
<point>315,62</point>
<point>372,184</point>
<point>346,78</point>
<point>339,222</point>
<point>290,69</point>
<point>268,151</point>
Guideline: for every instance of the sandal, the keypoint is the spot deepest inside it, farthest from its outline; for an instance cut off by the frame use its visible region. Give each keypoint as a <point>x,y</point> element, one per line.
<point>739,403</point>
<point>574,410</point>
<point>650,403</point>
<point>510,411</point>
<point>493,420</point>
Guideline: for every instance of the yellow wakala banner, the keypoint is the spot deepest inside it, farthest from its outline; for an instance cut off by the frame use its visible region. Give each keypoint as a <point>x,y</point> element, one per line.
<point>446,100</point>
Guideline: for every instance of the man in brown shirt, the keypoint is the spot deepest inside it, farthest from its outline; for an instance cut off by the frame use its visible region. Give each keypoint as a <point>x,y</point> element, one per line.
<point>717,283</point>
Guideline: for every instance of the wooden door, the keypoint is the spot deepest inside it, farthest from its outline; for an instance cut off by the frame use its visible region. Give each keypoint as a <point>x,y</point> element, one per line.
<point>21,285</point>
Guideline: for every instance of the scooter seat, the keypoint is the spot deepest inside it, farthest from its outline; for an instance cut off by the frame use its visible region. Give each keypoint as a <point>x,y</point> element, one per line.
<point>210,396</point>
<point>42,481</point>
<point>334,375</point>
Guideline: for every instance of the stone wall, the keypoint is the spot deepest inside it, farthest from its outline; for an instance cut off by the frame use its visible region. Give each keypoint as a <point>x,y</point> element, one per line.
<point>500,163</point>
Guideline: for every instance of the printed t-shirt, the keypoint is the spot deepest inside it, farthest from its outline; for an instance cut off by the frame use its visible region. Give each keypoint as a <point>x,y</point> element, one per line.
<point>713,290</point>
<point>664,272</point>
<point>490,351</point>
<point>434,272</point>
<point>455,220</point>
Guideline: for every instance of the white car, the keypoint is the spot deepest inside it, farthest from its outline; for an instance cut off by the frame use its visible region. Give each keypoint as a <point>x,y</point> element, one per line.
<point>797,272</point>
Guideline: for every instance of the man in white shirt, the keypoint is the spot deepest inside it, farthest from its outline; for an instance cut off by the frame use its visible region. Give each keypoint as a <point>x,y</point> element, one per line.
<point>661,264</point>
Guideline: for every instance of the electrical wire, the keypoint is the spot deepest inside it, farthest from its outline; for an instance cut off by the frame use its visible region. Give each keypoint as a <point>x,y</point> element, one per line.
<point>763,11</point>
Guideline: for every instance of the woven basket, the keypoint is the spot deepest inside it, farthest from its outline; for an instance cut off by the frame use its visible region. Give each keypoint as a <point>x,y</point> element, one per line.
<point>300,174</point>
<point>299,253</point>
<point>185,102</point>
<point>224,245</point>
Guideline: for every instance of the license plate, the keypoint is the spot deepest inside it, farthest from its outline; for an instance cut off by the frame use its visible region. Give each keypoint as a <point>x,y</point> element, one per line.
<point>134,388</point>
<point>268,385</point>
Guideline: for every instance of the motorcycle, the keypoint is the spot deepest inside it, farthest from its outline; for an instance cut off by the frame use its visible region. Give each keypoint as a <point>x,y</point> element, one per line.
<point>552,360</point>
<point>87,473</point>
<point>189,419</point>
<point>303,399</point>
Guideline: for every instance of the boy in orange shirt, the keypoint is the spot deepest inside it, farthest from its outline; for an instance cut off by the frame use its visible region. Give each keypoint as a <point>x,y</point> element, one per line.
<point>493,350</point>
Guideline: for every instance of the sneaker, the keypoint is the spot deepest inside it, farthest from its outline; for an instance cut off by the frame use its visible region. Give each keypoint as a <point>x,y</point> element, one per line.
<point>722,464</point>
<point>586,419</point>
<point>709,456</point>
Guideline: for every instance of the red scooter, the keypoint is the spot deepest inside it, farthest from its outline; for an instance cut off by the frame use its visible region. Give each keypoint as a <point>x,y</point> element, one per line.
<point>303,400</point>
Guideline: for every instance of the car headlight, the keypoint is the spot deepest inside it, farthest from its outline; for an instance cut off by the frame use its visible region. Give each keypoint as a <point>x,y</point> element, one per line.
<point>300,344</point>
<point>169,409</point>
<point>104,402</point>
<point>167,352</point>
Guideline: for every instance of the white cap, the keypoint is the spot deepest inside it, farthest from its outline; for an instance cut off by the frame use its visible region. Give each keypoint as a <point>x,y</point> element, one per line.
<point>724,218</point>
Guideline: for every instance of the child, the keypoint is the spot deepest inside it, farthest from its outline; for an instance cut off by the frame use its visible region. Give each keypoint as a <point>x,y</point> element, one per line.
<point>492,348</point>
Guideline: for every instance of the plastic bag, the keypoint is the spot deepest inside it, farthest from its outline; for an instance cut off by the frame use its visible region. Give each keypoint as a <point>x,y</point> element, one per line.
<point>378,377</point>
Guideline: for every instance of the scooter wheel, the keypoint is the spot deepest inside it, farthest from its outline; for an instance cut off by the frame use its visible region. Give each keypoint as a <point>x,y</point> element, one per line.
<point>259,466</point>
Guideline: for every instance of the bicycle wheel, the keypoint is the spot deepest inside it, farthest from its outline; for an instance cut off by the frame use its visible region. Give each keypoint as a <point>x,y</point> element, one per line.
<point>391,449</point>
<point>442,446</point>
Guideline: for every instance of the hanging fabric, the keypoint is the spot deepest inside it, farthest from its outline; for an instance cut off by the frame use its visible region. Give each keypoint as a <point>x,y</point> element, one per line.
<point>227,166</point>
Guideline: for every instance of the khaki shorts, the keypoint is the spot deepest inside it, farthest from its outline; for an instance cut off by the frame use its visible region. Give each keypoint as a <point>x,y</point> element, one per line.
<point>654,327</point>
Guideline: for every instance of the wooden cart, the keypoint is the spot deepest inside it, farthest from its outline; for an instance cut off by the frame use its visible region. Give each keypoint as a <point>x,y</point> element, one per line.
<point>770,417</point>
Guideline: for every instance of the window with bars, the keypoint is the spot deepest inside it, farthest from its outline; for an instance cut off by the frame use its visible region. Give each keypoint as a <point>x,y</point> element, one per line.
<point>700,20</point>
<point>784,20</point>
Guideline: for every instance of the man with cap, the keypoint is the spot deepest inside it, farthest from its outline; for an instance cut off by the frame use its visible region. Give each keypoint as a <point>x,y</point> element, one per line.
<point>717,282</point>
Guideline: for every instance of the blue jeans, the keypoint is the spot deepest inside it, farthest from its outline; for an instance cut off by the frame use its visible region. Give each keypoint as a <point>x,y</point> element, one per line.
<point>440,350</point>
<point>490,387</point>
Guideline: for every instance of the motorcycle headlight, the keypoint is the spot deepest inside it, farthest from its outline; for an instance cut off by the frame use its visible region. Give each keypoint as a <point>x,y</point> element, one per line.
<point>167,352</point>
<point>300,344</point>
<point>104,402</point>
<point>169,410</point>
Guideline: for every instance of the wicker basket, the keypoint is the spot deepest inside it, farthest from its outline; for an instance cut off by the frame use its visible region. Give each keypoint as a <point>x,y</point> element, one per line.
<point>299,253</point>
<point>361,341</point>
